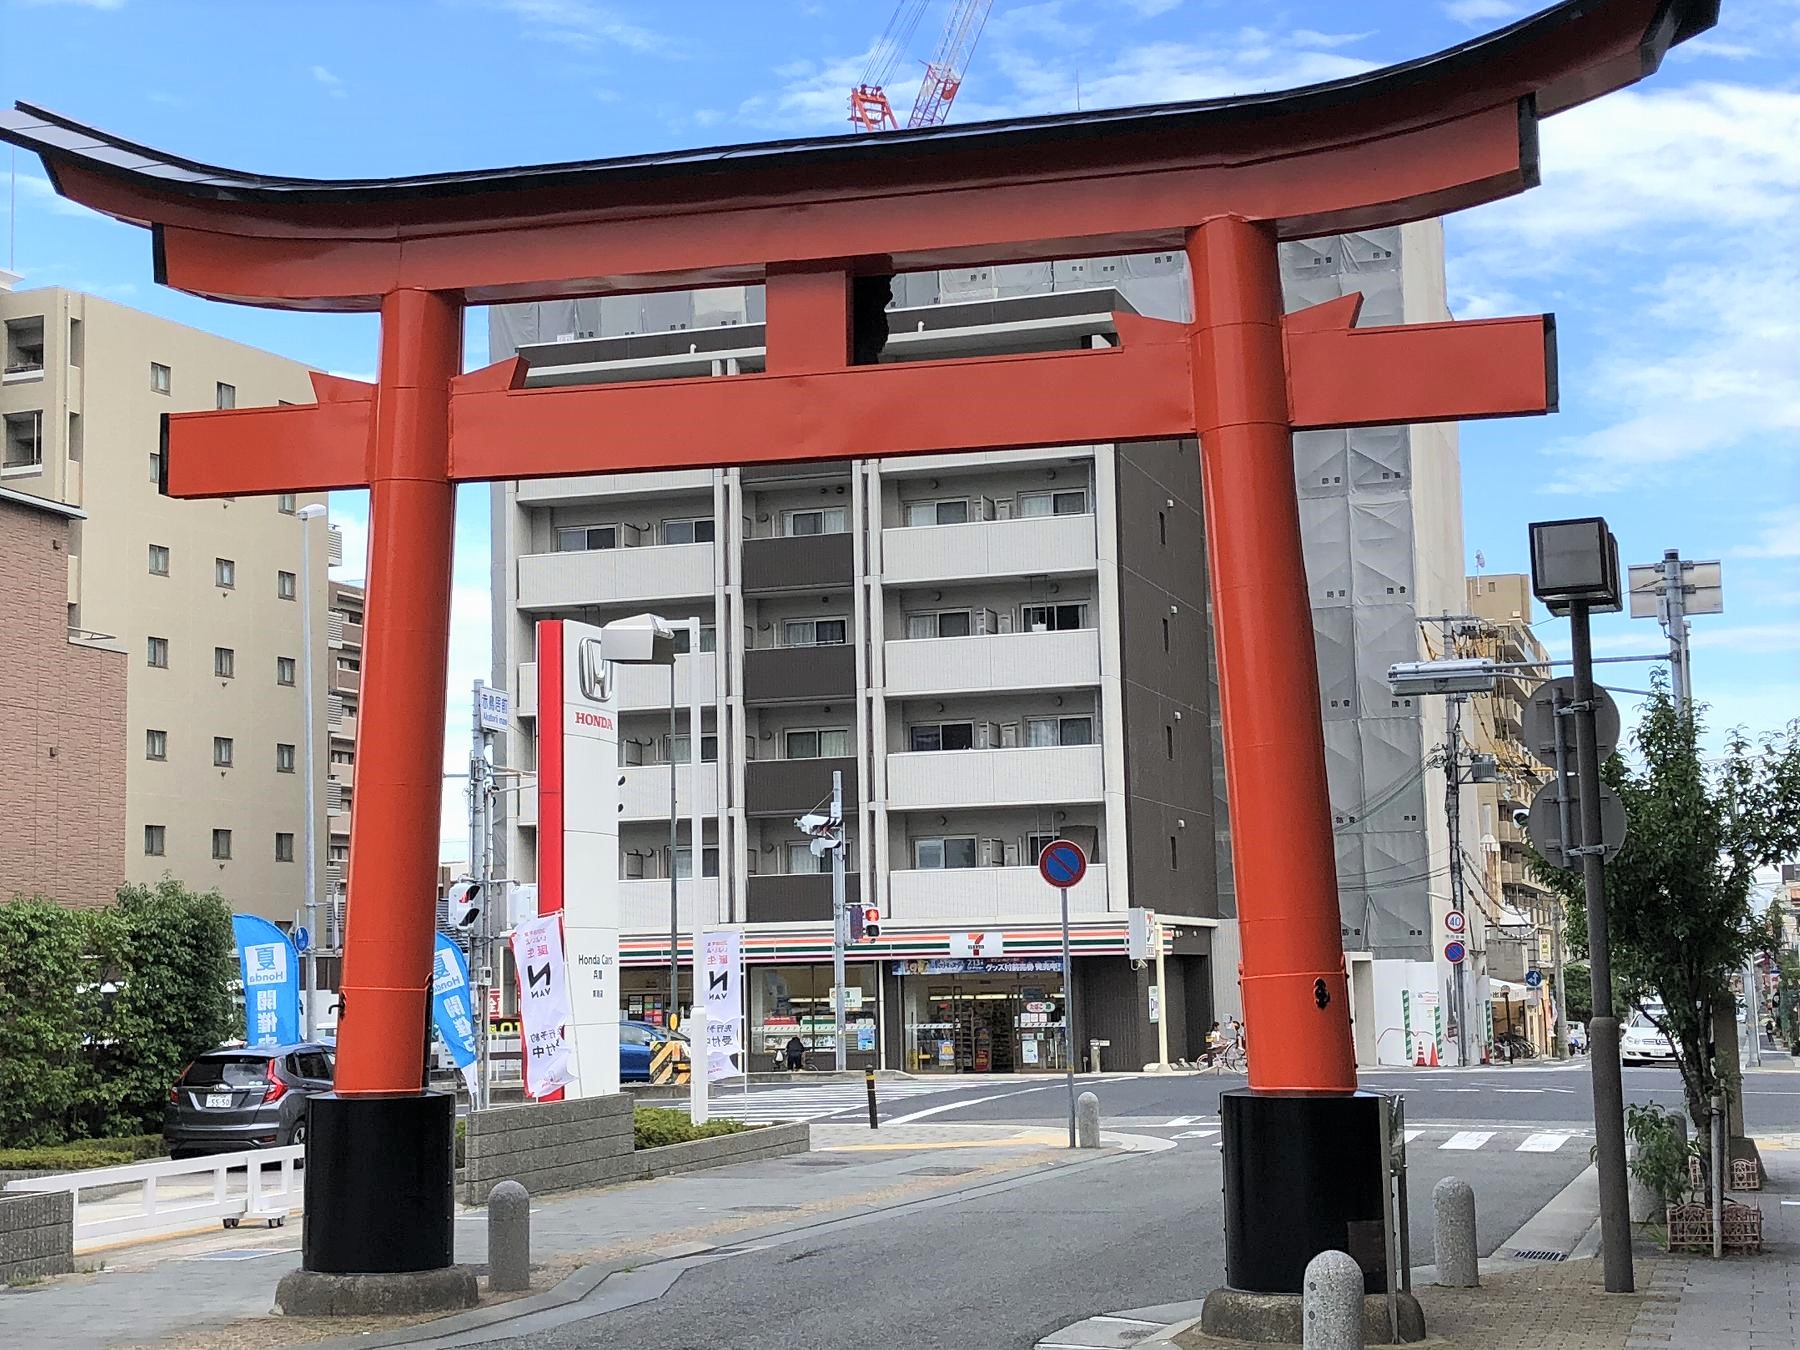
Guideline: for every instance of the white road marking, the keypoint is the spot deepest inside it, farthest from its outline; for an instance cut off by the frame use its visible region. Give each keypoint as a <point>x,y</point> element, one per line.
<point>1184,1120</point>
<point>1467,1139</point>
<point>1543,1143</point>
<point>962,1102</point>
<point>1413,1134</point>
<point>1532,1091</point>
<point>1195,1134</point>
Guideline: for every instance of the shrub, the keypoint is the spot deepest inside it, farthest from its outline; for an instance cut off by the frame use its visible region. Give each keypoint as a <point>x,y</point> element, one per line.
<point>82,1154</point>
<point>44,1074</point>
<point>657,1126</point>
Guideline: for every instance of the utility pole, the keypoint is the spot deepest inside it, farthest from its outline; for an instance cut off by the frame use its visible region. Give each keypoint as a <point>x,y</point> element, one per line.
<point>1559,1006</point>
<point>1453,811</point>
<point>1162,1003</point>
<point>838,917</point>
<point>1673,604</point>
<point>310,876</point>
<point>480,869</point>
<point>673,1016</point>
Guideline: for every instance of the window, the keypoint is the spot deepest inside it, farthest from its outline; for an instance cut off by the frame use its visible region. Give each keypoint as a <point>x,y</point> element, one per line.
<point>709,638</point>
<point>696,531</point>
<point>813,632</point>
<point>709,749</point>
<point>1041,731</point>
<point>824,520</point>
<point>156,745</point>
<point>284,758</point>
<point>943,736</point>
<point>156,468</point>
<point>154,838</point>
<point>1174,857</point>
<point>943,623</point>
<point>221,752</point>
<point>1069,502</point>
<point>224,662</point>
<point>350,663</point>
<point>583,537</point>
<point>284,670</point>
<point>24,450</point>
<point>801,859</point>
<point>1165,634</point>
<point>286,503</point>
<point>159,652</point>
<point>948,851</point>
<point>284,847</point>
<point>684,862</point>
<point>952,512</point>
<point>1162,528</point>
<point>224,573</point>
<point>1169,740</point>
<point>287,585</point>
<point>224,395</point>
<point>1035,844</point>
<point>1053,618</point>
<point>832,743</point>
<point>159,378</point>
<point>222,845</point>
<point>159,560</point>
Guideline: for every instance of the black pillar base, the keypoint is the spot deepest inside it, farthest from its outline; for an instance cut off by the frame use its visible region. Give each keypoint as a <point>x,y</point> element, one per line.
<point>1304,1173</point>
<point>380,1184</point>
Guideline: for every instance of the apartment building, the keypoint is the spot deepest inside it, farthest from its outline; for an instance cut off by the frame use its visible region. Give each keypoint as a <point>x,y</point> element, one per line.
<point>204,596</point>
<point>1528,918</point>
<point>343,684</point>
<point>993,650</point>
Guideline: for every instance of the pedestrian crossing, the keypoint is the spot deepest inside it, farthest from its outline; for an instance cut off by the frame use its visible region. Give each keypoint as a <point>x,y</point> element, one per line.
<point>815,1101</point>
<point>1442,1138</point>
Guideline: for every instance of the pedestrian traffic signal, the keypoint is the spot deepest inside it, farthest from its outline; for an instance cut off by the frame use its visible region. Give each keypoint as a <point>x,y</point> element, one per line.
<point>871,923</point>
<point>462,903</point>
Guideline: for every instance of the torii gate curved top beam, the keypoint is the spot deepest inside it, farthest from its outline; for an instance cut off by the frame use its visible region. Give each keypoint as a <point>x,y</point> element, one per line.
<point>1221,180</point>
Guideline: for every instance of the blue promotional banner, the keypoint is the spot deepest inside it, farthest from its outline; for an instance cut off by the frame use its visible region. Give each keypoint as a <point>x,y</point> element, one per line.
<point>450,1011</point>
<point>271,974</point>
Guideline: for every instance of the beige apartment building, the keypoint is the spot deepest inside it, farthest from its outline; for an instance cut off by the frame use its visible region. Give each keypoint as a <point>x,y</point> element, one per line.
<point>204,596</point>
<point>344,692</point>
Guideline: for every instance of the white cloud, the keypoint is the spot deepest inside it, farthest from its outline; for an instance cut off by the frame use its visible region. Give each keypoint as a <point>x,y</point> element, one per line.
<point>1150,9</point>
<point>584,24</point>
<point>1476,13</point>
<point>1307,37</point>
<point>1754,639</point>
<point>332,84</point>
<point>37,190</point>
<point>1779,537</point>
<point>81,4</point>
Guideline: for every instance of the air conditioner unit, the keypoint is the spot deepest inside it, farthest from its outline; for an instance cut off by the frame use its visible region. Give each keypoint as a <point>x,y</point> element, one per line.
<point>1012,855</point>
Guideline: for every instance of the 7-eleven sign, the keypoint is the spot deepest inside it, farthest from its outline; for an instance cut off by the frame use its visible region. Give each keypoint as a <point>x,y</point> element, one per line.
<point>975,946</point>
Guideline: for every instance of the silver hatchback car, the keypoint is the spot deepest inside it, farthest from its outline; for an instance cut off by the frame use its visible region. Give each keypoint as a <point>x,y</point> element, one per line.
<point>245,1097</point>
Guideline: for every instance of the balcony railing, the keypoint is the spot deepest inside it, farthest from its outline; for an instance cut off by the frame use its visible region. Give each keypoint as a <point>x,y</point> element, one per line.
<point>1012,777</point>
<point>986,894</point>
<point>1030,546</point>
<point>968,665</point>
<point>645,793</point>
<point>644,904</point>
<point>615,575</point>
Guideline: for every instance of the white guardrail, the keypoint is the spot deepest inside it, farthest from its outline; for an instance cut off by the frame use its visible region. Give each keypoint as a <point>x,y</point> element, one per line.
<point>173,1195</point>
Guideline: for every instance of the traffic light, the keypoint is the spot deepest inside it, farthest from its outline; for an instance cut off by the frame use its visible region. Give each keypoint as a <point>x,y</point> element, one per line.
<point>871,924</point>
<point>463,903</point>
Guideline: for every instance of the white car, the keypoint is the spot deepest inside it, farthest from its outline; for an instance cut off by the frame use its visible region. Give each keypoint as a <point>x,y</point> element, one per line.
<point>1643,1043</point>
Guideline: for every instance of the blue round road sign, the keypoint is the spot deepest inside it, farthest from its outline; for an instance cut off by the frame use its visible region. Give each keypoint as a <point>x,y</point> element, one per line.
<point>1533,978</point>
<point>302,939</point>
<point>1062,863</point>
<point>1454,952</point>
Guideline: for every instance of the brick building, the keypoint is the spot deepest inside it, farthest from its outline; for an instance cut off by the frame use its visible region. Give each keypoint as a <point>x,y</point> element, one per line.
<point>62,707</point>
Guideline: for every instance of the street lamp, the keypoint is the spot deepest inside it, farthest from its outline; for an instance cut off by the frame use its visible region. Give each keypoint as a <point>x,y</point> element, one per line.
<point>1574,571</point>
<point>306,515</point>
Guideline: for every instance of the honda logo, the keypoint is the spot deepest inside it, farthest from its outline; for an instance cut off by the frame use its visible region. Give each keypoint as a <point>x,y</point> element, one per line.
<point>595,672</point>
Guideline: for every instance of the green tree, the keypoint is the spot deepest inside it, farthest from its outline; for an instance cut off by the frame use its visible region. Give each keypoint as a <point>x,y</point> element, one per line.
<point>44,1074</point>
<point>1578,993</point>
<point>1679,894</point>
<point>170,953</point>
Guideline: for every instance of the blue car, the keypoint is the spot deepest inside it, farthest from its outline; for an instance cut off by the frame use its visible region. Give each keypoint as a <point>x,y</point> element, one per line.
<point>637,1042</point>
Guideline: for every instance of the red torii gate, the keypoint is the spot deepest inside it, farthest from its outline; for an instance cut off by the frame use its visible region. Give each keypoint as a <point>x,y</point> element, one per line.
<point>810,220</point>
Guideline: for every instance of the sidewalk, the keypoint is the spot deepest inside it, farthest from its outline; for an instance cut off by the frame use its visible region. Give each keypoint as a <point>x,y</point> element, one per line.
<point>1682,1302</point>
<point>215,1291</point>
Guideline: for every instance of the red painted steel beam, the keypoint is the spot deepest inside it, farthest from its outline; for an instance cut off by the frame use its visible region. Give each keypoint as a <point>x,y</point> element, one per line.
<point>250,451</point>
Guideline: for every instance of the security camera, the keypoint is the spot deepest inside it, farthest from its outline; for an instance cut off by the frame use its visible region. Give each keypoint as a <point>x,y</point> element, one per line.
<point>1521,817</point>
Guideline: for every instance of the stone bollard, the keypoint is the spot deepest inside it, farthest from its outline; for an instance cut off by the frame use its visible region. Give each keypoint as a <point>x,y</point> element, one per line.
<point>1645,1204</point>
<point>1453,1233</point>
<point>1087,1121</point>
<point>509,1237</point>
<point>1332,1306</point>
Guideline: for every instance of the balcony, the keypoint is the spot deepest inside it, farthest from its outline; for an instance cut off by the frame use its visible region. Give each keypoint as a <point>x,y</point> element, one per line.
<point>526,816</point>
<point>986,895</point>
<point>569,491</point>
<point>803,562</point>
<point>645,793</point>
<point>803,897</point>
<point>792,787</point>
<point>638,688</point>
<point>615,576</point>
<point>1036,546</point>
<point>345,681</point>
<point>799,674</point>
<point>969,665</point>
<point>645,904</point>
<point>1018,777</point>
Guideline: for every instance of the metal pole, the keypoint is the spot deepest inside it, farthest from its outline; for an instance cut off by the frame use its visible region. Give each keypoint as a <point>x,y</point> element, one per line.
<point>1559,1005</point>
<point>837,918</point>
<point>310,879</point>
<point>1453,812</point>
<point>1162,1006</point>
<point>1717,1181</point>
<point>1674,617</point>
<point>1752,1017</point>
<point>696,842</point>
<point>479,870</point>
<point>1603,1030</point>
<point>673,1016</point>
<point>1068,1013</point>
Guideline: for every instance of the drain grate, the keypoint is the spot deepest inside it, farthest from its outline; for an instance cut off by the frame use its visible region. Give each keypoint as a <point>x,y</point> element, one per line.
<point>940,1171</point>
<point>1538,1256</point>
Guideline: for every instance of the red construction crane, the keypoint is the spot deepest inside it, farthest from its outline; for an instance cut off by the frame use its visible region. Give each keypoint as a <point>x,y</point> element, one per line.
<point>870,109</point>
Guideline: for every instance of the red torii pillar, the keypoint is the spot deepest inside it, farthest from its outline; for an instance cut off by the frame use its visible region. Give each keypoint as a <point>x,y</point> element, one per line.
<point>1223,181</point>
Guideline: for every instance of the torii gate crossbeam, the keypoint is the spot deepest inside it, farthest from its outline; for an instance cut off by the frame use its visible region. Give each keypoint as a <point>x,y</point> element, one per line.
<point>814,221</point>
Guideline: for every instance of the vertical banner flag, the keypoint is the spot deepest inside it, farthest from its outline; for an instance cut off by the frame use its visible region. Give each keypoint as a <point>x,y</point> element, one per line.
<point>592,959</point>
<point>543,1005</point>
<point>722,971</point>
<point>271,972</point>
<point>450,1011</point>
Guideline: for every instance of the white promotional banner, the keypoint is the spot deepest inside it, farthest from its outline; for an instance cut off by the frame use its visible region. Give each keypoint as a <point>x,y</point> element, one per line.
<point>722,973</point>
<point>543,1005</point>
<point>593,957</point>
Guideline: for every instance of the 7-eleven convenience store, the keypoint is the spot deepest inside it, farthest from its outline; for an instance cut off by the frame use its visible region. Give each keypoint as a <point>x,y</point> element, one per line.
<point>954,1000</point>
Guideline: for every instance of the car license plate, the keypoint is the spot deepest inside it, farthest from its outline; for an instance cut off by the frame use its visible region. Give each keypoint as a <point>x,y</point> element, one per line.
<point>218,1099</point>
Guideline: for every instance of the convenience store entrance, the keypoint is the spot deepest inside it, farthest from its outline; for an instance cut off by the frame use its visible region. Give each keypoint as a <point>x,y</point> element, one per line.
<point>982,1021</point>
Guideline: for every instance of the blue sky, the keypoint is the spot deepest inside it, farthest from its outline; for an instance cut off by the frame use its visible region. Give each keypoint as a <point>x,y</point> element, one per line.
<point>1666,235</point>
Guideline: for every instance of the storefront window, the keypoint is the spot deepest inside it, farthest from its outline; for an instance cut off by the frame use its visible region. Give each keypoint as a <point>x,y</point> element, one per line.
<point>975,1016</point>
<point>794,1002</point>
